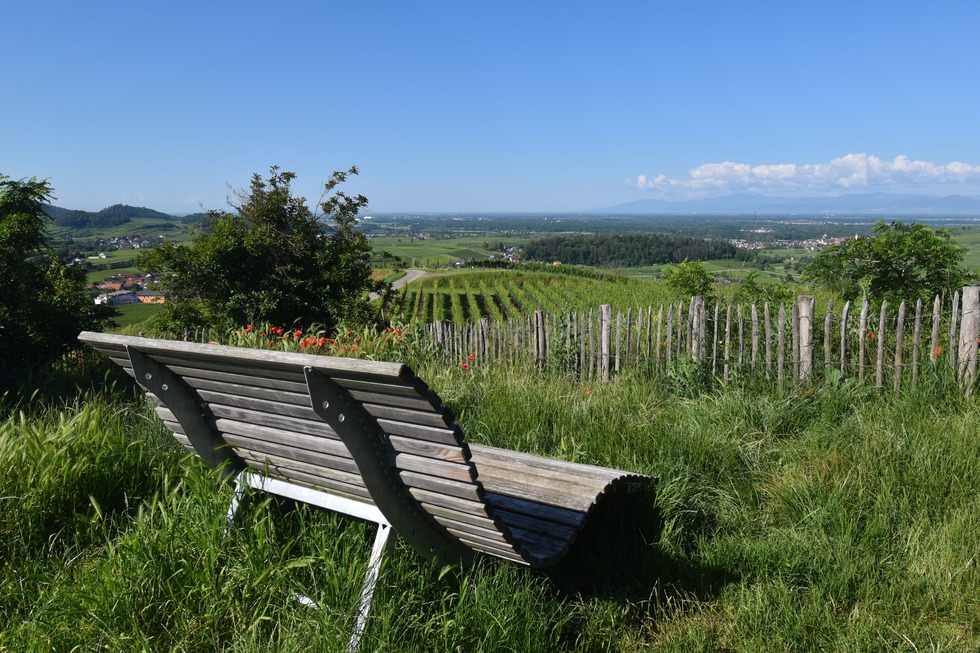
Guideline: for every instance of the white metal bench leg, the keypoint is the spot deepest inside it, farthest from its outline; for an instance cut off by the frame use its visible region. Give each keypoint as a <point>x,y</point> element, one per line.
<point>236,502</point>
<point>382,545</point>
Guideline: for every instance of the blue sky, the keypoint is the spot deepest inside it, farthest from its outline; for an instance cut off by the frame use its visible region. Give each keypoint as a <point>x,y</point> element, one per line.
<point>504,106</point>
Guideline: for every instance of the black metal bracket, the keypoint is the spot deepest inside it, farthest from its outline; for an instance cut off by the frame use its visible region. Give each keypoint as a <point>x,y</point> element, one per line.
<point>155,378</point>
<point>368,445</point>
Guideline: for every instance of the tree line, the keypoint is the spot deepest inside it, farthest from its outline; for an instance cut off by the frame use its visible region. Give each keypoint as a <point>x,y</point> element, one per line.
<point>626,250</point>
<point>111,216</point>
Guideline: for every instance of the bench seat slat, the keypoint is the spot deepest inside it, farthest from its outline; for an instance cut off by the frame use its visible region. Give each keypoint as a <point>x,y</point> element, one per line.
<point>455,471</point>
<point>427,449</point>
<point>456,504</point>
<point>541,526</point>
<point>436,484</point>
<point>258,381</point>
<point>534,509</point>
<point>272,421</point>
<point>578,493</point>
<point>278,395</point>
<point>288,471</point>
<point>294,464</point>
<point>333,465</point>
<point>527,461</point>
<point>549,496</point>
<point>428,433</point>
<point>260,405</point>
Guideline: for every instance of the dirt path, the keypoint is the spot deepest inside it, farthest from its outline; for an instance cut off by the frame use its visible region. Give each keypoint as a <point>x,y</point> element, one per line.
<point>410,276</point>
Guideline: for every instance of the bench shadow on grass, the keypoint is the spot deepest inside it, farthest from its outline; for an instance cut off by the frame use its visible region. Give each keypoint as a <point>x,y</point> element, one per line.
<point>618,556</point>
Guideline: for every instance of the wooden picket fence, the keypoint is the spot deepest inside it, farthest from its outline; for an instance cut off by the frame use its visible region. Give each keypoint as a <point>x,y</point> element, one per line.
<point>783,344</point>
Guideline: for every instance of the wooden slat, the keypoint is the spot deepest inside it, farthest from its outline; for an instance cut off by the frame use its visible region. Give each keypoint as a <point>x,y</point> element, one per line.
<point>272,359</point>
<point>297,465</point>
<point>544,548</point>
<point>325,443</point>
<point>534,509</point>
<point>536,525</point>
<point>271,421</point>
<point>428,433</point>
<point>448,453</point>
<point>249,390</point>
<point>469,506</point>
<point>517,458</point>
<point>240,379</point>
<point>433,467</point>
<point>331,464</point>
<point>427,418</point>
<point>333,484</point>
<point>454,488</point>
<point>259,405</point>
<point>494,471</point>
<point>478,519</point>
<point>540,494</point>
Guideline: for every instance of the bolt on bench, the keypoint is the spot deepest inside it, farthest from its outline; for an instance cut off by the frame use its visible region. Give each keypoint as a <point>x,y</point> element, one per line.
<point>364,438</point>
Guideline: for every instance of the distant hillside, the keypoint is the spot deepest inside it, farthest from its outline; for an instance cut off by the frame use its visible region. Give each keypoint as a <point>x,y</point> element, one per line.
<point>111,216</point>
<point>874,204</point>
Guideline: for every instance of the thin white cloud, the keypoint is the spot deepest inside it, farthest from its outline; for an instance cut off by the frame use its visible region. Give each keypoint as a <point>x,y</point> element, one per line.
<point>849,173</point>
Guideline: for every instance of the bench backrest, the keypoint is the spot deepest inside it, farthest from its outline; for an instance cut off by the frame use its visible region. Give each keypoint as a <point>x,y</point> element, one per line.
<point>367,430</point>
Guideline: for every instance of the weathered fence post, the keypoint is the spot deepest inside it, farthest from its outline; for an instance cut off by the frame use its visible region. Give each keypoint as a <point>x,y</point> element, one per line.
<point>934,350</point>
<point>953,322</point>
<point>843,338</point>
<point>969,335</point>
<point>539,339</point>
<point>917,342</point>
<point>768,319</point>
<point>795,339</point>
<point>899,344</point>
<point>806,310</point>
<point>880,369</point>
<point>862,332</point>
<point>728,340</point>
<point>619,339</point>
<point>605,340</point>
<point>781,345</point>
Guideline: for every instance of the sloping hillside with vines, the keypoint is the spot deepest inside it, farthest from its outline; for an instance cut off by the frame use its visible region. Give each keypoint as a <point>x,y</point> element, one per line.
<point>468,296</point>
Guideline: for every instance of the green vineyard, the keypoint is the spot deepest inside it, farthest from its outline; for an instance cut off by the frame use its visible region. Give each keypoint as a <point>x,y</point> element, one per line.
<point>499,295</point>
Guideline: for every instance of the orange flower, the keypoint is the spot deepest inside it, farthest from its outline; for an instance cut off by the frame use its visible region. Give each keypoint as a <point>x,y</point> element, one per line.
<point>298,333</point>
<point>939,351</point>
<point>466,365</point>
<point>586,391</point>
<point>871,335</point>
<point>471,357</point>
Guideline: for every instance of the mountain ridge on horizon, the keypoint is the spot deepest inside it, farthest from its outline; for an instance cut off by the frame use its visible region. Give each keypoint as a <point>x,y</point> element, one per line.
<point>875,203</point>
<point>858,204</point>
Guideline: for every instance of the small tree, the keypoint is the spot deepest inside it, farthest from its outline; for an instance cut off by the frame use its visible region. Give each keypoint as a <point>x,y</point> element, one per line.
<point>901,261</point>
<point>272,260</point>
<point>43,301</point>
<point>688,279</point>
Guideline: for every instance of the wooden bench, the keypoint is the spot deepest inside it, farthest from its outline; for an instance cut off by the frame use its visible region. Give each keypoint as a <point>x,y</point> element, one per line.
<point>367,439</point>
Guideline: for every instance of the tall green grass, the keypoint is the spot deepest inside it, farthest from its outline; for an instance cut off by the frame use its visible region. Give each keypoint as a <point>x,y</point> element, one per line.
<point>826,518</point>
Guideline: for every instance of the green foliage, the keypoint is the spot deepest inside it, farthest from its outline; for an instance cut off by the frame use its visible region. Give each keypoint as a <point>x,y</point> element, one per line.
<point>629,250</point>
<point>271,260</point>
<point>688,279</point>
<point>901,261</point>
<point>43,302</point>
<point>111,216</point>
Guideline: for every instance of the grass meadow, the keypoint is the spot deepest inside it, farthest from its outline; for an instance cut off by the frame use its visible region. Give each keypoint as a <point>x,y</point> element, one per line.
<point>814,519</point>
